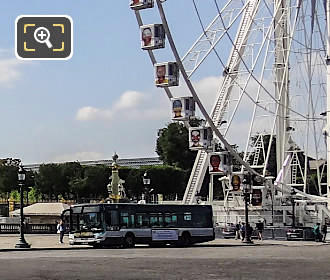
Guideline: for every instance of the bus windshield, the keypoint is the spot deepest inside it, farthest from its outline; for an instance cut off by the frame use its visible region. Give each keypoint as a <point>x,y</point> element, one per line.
<point>87,219</point>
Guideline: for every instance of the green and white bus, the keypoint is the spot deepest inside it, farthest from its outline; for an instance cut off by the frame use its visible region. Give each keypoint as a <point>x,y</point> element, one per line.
<point>128,224</point>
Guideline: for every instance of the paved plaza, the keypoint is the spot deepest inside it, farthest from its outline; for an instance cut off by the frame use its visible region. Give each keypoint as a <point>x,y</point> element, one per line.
<point>219,259</point>
<point>51,241</point>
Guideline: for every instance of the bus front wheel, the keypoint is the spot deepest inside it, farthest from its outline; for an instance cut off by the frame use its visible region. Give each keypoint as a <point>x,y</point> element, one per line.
<point>97,246</point>
<point>129,241</point>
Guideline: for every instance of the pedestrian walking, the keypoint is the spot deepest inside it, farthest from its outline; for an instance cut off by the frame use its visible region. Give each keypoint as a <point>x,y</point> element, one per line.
<point>260,229</point>
<point>237,231</point>
<point>249,231</point>
<point>242,231</point>
<point>317,232</point>
<point>324,232</point>
<point>61,230</point>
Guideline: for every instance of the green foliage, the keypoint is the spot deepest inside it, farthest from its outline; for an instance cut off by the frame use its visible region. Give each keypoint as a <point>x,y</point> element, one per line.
<point>34,195</point>
<point>14,195</point>
<point>8,178</point>
<point>50,180</point>
<point>71,180</point>
<point>96,180</point>
<point>164,179</point>
<point>77,187</point>
<point>173,147</point>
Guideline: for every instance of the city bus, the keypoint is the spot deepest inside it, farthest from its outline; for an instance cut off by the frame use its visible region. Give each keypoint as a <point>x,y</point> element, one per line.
<point>126,224</point>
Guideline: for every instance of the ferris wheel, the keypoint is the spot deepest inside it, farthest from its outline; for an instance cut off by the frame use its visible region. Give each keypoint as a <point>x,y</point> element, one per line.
<point>272,87</point>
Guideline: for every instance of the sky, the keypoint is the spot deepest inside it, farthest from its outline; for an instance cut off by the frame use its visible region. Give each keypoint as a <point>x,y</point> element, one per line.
<point>103,100</point>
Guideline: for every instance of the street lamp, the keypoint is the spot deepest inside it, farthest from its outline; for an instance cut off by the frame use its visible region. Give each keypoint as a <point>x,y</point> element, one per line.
<point>293,193</point>
<point>21,179</point>
<point>247,192</point>
<point>146,184</point>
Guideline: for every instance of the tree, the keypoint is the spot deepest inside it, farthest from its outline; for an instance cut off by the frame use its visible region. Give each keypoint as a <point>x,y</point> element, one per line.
<point>8,178</point>
<point>96,180</point>
<point>164,179</point>
<point>50,180</point>
<point>173,147</point>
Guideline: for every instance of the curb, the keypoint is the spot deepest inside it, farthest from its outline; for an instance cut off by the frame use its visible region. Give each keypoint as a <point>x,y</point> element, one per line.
<point>43,249</point>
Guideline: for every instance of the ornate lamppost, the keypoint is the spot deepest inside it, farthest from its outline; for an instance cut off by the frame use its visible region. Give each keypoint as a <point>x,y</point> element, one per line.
<point>21,179</point>
<point>247,189</point>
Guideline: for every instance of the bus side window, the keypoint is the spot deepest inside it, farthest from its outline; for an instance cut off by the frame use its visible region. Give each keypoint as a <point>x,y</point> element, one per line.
<point>154,220</point>
<point>160,219</point>
<point>187,221</point>
<point>111,218</point>
<point>114,217</point>
<point>138,221</point>
<point>187,216</point>
<point>145,220</point>
<point>124,220</point>
<point>142,220</point>
<point>174,220</point>
<point>170,220</point>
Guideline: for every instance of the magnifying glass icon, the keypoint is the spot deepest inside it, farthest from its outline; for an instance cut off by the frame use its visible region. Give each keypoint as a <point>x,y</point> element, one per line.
<point>41,35</point>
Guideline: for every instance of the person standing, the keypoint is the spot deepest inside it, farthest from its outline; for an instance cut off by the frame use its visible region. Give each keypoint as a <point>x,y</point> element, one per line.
<point>242,231</point>
<point>324,232</point>
<point>237,231</point>
<point>249,231</point>
<point>260,229</point>
<point>317,233</point>
<point>61,230</point>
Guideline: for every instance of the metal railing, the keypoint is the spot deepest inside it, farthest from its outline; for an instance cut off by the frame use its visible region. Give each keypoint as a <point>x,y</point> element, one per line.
<point>29,228</point>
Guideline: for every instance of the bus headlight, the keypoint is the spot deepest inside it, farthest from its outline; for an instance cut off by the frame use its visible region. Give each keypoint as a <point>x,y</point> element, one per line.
<point>99,236</point>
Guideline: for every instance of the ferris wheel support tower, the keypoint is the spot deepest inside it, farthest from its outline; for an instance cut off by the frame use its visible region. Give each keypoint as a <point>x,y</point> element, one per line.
<point>328,102</point>
<point>281,69</point>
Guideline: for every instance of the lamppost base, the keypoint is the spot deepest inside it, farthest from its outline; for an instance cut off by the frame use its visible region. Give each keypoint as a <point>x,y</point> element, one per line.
<point>247,241</point>
<point>22,244</point>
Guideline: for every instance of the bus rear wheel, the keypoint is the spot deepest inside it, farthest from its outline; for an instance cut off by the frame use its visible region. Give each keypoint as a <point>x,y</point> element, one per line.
<point>185,240</point>
<point>129,241</point>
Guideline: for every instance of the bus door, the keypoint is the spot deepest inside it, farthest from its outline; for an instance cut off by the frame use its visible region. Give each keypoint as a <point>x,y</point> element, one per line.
<point>111,219</point>
<point>142,226</point>
<point>66,218</point>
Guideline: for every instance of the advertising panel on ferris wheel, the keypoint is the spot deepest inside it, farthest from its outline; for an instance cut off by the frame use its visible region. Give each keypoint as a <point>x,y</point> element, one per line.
<point>235,182</point>
<point>200,138</point>
<point>166,74</point>
<point>256,197</point>
<point>152,36</point>
<point>141,4</point>
<point>182,108</point>
<point>218,162</point>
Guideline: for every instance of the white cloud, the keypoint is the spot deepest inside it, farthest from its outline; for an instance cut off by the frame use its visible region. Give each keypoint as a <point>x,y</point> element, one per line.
<point>205,88</point>
<point>91,113</point>
<point>9,71</point>
<point>128,99</point>
<point>132,105</point>
<point>79,156</point>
